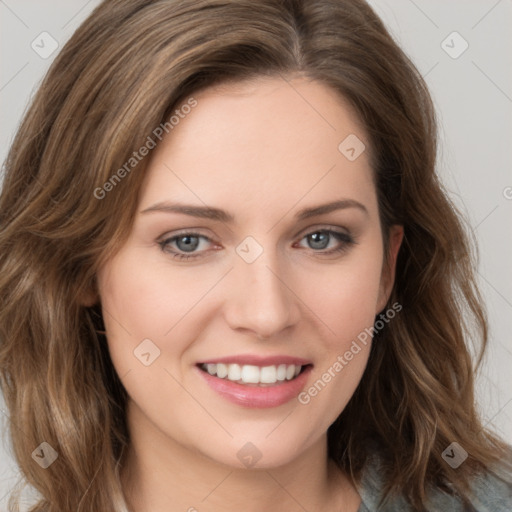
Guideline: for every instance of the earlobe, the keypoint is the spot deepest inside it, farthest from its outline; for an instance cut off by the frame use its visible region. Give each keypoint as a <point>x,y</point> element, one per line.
<point>396,234</point>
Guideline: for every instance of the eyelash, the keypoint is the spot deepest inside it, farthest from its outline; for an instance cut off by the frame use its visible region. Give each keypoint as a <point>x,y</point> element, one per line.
<point>346,242</point>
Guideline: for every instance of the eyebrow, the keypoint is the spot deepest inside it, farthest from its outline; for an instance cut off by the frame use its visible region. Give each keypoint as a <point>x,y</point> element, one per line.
<point>210,212</point>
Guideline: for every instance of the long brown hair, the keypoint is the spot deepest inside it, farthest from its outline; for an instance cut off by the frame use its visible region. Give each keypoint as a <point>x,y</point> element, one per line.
<point>122,74</point>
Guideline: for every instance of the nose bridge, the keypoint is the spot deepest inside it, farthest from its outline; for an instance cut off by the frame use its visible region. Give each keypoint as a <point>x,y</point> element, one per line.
<point>262,302</point>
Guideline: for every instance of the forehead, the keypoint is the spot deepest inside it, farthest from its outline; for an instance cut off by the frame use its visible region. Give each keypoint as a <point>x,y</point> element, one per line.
<point>260,141</point>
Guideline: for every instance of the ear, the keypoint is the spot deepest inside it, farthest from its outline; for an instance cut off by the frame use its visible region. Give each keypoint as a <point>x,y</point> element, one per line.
<point>387,279</point>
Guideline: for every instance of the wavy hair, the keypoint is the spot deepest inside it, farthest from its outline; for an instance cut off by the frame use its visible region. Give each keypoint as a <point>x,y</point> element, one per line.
<point>122,74</point>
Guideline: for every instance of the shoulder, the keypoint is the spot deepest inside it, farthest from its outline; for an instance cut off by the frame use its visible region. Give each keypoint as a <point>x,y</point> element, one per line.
<point>492,492</point>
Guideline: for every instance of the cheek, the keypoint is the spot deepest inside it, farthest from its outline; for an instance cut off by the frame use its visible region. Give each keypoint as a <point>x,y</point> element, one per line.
<point>348,309</point>
<point>144,299</point>
<point>345,296</point>
<point>332,385</point>
<point>149,300</point>
<point>346,301</point>
<point>133,310</point>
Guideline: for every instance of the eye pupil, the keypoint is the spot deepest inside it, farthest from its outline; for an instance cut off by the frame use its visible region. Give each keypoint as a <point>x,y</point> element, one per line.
<point>319,238</point>
<point>189,246</point>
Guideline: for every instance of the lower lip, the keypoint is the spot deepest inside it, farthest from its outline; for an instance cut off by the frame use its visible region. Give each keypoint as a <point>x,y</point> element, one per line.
<point>255,396</point>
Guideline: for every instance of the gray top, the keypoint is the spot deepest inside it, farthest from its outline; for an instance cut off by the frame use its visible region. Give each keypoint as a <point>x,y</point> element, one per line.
<point>491,494</point>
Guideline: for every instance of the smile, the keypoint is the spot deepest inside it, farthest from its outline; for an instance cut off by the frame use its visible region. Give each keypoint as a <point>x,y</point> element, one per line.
<point>260,385</point>
<point>251,374</point>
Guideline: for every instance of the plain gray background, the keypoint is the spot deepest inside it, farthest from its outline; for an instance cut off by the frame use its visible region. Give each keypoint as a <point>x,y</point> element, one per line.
<point>472,90</point>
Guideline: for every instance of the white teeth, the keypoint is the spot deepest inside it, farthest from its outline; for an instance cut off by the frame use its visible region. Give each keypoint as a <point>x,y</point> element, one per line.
<point>281,372</point>
<point>268,374</point>
<point>251,374</point>
<point>222,370</point>
<point>234,372</point>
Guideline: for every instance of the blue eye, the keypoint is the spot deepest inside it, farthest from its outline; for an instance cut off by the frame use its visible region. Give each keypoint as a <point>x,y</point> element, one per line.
<point>186,243</point>
<point>320,240</point>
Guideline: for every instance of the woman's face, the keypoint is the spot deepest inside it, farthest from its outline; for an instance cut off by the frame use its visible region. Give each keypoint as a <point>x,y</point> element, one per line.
<point>269,282</point>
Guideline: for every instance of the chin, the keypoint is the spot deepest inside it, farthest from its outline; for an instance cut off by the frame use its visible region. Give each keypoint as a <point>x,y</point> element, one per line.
<point>257,452</point>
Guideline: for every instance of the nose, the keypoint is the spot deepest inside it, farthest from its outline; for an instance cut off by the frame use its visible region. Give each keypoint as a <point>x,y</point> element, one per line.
<point>261,300</point>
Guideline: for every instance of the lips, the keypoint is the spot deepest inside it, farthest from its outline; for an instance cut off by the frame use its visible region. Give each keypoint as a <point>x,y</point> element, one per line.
<point>255,381</point>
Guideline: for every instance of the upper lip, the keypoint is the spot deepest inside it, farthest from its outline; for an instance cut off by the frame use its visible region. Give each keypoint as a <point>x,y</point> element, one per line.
<point>249,359</point>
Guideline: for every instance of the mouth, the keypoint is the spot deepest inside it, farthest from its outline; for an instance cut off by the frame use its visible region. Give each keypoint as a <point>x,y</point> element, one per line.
<point>253,375</point>
<point>259,385</point>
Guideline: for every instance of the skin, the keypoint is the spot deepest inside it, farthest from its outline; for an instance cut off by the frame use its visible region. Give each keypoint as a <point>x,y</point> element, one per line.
<point>262,150</point>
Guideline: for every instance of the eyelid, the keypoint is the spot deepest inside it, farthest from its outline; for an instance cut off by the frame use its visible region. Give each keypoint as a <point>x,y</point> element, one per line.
<point>183,232</point>
<point>322,227</point>
<point>343,235</point>
<point>168,238</point>
<point>301,233</point>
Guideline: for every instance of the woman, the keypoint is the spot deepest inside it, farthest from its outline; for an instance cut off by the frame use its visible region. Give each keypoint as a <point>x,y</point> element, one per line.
<point>230,277</point>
